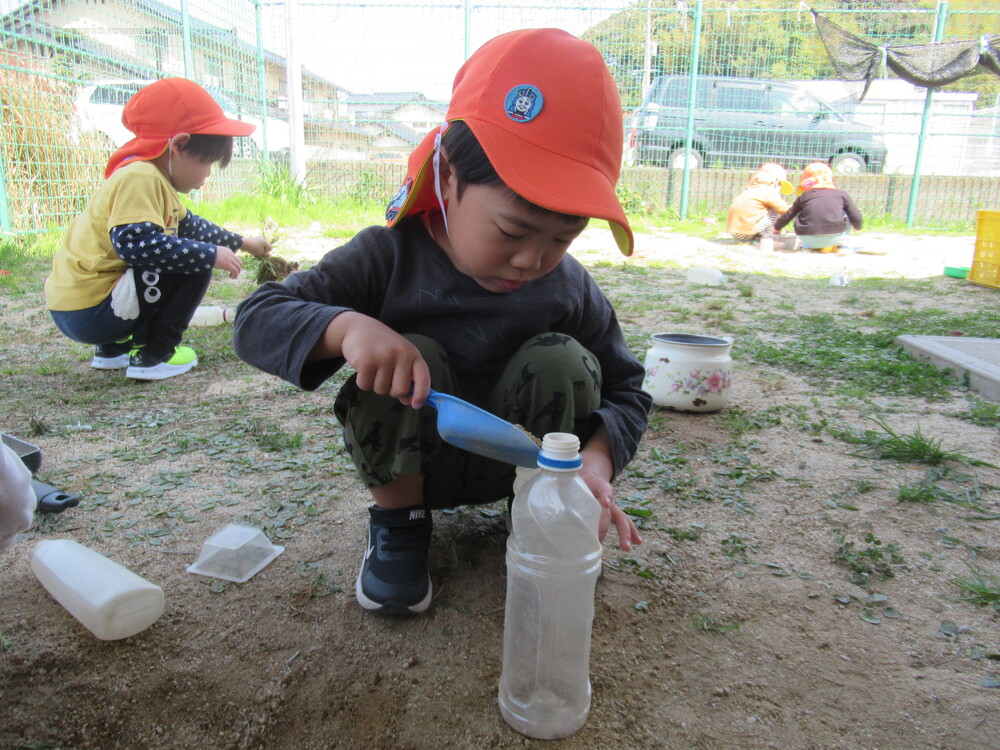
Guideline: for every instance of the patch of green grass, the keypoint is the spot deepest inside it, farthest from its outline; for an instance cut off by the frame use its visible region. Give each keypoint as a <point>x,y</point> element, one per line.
<point>679,535</point>
<point>946,485</point>
<point>276,182</point>
<point>737,420</point>
<point>982,413</point>
<point>832,348</point>
<point>914,447</point>
<point>630,564</point>
<point>936,322</point>
<point>709,623</point>
<point>980,587</point>
<point>865,563</point>
<point>736,548</point>
<point>920,492</point>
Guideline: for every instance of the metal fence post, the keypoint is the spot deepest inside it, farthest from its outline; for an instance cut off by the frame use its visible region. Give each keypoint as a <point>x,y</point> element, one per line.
<point>186,37</point>
<point>5,227</point>
<point>297,156</point>
<point>261,72</point>
<point>689,130</point>
<point>911,208</point>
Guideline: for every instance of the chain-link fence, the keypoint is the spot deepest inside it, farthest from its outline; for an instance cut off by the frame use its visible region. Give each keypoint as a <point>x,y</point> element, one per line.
<point>342,91</point>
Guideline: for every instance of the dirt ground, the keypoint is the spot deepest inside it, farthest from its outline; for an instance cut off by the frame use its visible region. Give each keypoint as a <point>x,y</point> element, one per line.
<point>733,625</point>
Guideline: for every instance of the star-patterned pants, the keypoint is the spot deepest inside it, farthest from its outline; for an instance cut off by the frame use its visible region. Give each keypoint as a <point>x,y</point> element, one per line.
<point>551,384</point>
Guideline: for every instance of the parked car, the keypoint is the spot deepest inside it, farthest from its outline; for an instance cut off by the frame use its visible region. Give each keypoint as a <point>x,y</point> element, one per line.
<point>99,107</point>
<point>741,122</point>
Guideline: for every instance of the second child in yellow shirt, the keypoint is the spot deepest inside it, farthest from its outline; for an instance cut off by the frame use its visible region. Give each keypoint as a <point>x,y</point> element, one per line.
<point>135,265</point>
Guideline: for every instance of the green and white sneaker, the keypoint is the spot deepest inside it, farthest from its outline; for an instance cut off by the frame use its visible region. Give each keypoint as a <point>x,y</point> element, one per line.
<point>146,366</point>
<point>113,356</point>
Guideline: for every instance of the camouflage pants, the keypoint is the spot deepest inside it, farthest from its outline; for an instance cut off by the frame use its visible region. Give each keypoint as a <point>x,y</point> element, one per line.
<point>551,384</point>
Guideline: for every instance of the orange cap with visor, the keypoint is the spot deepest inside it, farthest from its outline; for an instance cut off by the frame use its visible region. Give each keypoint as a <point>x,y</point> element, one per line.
<point>164,108</point>
<point>545,109</point>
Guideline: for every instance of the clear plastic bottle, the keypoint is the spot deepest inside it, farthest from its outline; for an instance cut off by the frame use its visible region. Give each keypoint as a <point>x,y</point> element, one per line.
<point>212,315</point>
<point>108,599</point>
<point>553,562</point>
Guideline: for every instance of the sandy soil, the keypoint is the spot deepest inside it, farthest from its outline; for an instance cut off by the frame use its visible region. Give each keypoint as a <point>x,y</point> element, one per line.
<point>732,626</point>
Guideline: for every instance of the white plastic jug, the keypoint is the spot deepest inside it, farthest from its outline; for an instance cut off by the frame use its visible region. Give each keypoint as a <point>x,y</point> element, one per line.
<point>553,561</point>
<point>706,276</point>
<point>108,599</point>
<point>212,315</point>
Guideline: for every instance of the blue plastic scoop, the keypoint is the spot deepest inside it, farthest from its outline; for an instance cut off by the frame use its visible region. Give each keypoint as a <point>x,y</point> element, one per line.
<point>476,430</point>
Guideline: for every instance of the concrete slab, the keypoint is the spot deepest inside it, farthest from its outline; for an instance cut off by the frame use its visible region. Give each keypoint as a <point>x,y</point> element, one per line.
<point>976,358</point>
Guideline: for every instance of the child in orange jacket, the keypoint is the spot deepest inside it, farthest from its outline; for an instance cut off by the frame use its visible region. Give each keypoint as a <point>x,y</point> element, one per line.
<point>754,211</point>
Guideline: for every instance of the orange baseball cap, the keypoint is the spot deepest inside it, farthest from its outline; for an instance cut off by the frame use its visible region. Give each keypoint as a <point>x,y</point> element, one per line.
<point>816,175</point>
<point>544,107</point>
<point>164,108</point>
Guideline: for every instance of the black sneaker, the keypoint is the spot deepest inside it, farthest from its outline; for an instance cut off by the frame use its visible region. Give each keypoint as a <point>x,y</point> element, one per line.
<point>393,579</point>
<point>112,356</point>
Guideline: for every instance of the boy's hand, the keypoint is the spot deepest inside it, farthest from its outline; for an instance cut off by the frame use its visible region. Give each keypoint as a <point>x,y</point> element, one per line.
<point>226,260</point>
<point>384,361</point>
<point>628,534</point>
<point>256,246</point>
<point>596,474</point>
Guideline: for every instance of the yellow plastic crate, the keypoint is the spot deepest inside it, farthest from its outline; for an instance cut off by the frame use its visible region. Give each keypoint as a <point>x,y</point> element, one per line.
<point>986,261</point>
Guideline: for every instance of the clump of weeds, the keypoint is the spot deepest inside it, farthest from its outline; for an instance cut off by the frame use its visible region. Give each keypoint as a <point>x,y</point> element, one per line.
<point>980,587</point>
<point>865,563</point>
<point>708,623</point>
<point>914,447</point>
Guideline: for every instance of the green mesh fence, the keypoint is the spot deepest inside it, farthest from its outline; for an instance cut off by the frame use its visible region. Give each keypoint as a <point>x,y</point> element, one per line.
<point>709,91</point>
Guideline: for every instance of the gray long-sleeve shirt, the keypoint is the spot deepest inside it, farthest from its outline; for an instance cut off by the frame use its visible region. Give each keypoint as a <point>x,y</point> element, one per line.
<point>402,278</point>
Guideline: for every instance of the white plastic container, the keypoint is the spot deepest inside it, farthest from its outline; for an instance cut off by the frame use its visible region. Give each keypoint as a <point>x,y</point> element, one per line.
<point>706,276</point>
<point>212,315</point>
<point>840,279</point>
<point>553,562</point>
<point>235,553</point>
<point>767,243</point>
<point>109,600</point>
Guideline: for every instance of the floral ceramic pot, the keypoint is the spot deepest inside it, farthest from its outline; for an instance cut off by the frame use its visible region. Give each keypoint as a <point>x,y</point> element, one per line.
<point>688,372</point>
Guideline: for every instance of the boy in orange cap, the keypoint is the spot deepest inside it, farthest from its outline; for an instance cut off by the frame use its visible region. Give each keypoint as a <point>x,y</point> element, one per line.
<point>135,265</point>
<point>470,289</point>
<point>823,213</point>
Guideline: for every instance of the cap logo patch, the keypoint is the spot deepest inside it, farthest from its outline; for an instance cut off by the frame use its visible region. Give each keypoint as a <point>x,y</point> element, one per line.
<point>396,204</point>
<point>523,103</point>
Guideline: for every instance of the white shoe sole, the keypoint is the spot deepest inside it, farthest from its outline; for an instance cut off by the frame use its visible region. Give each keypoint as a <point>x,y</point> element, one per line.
<point>110,363</point>
<point>161,371</point>
<point>390,607</point>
